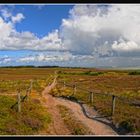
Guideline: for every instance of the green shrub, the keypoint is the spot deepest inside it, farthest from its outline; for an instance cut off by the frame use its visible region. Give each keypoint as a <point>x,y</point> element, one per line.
<point>128,125</point>
<point>134,73</point>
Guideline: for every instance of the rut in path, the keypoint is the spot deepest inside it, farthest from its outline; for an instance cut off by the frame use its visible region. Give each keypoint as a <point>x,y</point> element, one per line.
<point>59,128</point>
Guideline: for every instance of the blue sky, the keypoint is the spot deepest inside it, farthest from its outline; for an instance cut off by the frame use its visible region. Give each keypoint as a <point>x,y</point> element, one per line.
<point>42,20</point>
<point>70,35</point>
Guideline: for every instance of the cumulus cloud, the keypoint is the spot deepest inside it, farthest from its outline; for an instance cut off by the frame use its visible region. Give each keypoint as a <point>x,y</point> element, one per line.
<point>10,39</point>
<point>17,18</point>
<point>126,46</point>
<point>5,30</point>
<point>92,34</point>
<point>90,29</point>
<point>94,29</point>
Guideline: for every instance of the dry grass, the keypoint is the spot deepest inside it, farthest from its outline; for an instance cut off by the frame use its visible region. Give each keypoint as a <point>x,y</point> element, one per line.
<point>121,83</point>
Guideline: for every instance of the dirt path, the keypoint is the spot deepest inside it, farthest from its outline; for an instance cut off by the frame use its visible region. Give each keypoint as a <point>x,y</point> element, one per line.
<point>95,127</point>
<point>57,127</point>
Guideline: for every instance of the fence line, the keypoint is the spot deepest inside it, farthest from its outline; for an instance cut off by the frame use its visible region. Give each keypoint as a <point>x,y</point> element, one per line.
<point>19,99</point>
<point>97,92</point>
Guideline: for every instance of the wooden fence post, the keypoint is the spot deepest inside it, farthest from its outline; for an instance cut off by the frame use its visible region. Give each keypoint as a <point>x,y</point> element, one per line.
<point>92,97</point>
<point>74,89</point>
<point>113,105</point>
<point>19,101</point>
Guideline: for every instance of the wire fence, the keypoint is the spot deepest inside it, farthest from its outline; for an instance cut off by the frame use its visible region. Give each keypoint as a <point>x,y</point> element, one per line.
<point>22,99</point>
<point>91,96</point>
<point>51,84</point>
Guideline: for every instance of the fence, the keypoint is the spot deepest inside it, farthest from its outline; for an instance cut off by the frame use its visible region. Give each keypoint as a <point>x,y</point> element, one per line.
<point>91,95</point>
<point>19,99</point>
<point>28,91</point>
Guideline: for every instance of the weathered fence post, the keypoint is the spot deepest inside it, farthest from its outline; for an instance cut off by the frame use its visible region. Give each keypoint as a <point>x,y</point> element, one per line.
<point>113,105</point>
<point>92,97</point>
<point>74,89</point>
<point>19,101</point>
<point>27,94</point>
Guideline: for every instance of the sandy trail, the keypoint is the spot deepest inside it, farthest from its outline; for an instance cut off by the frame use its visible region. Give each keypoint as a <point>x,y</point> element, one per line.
<point>59,128</point>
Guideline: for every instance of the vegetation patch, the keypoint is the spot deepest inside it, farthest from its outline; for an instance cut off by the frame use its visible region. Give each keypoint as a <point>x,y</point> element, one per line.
<point>134,72</point>
<point>32,118</point>
<point>90,73</point>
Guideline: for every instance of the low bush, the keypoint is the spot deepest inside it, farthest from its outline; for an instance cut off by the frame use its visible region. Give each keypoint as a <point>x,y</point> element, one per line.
<point>134,73</point>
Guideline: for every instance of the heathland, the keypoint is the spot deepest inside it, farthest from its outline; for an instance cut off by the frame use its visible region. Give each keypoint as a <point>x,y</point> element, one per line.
<point>75,84</point>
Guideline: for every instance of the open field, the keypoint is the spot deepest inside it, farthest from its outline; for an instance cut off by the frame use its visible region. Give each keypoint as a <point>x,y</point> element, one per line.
<point>122,83</point>
<point>33,117</point>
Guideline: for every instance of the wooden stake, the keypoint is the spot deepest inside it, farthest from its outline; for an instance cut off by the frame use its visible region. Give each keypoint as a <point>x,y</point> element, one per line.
<point>74,89</point>
<point>113,104</point>
<point>92,97</point>
<point>19,101</point>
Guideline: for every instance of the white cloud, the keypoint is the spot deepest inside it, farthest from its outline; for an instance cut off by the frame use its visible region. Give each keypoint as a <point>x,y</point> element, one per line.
<point>5,29</point>
<point>94,29</point>
<point>44,57</point>
<point>92,34</point>
<point>5,59</point>
<point>17,18</point>
<point>126,46</point>
<point>6,14</point>
<point>50,42</point>
<point>10,39</point>
<point>89,30</point>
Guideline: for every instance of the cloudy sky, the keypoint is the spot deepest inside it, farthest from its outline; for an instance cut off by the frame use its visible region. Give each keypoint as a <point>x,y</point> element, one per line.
<point>70,35</point>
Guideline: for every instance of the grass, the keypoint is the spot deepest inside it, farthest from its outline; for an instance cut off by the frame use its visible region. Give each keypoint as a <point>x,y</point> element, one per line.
<point>126,117</point>
<point>75,126</point>
<point>123,83</point>
<point>80,73</point>
<point>119,83</point>
<point>32,118</point>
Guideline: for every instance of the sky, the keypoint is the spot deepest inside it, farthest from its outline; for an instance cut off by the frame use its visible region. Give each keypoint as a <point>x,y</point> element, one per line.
<point>78,35</point>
